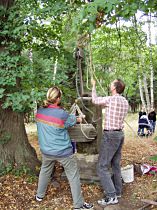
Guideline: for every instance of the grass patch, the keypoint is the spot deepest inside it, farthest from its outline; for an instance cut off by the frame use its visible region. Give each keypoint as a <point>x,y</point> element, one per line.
<point>154,158</point>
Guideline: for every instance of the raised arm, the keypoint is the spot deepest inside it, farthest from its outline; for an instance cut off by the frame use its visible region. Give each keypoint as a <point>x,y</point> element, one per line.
<point>98,100</point>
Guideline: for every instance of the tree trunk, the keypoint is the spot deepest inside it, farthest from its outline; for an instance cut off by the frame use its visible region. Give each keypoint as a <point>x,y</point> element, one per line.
<point>6,3</point>
<point>151,63</point>
<point>14,146</point>
<point>141,92</point>
<point>146,92</point>
<point>151,84</point>
<point>55,70</point>
<point>15,149</point>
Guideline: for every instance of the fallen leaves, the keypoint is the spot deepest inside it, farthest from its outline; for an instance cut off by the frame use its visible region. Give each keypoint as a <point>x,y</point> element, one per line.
<point>18,192</point>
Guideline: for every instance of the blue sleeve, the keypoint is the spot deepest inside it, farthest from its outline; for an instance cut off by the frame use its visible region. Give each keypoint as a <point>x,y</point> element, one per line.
<point>71,120</point>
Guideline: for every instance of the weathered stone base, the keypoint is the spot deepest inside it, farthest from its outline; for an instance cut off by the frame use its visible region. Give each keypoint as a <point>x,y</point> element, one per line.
<point>87,165</point>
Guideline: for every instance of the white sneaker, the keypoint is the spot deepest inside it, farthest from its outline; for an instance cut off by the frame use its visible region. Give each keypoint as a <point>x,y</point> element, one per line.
<point>38,199</point>
<point>85,206</point>
<point>119,196</point>
<point>108,201</point>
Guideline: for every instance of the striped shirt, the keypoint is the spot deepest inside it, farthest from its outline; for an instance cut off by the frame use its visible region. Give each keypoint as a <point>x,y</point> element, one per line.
<point>116,108</point>
<point>53,136</point>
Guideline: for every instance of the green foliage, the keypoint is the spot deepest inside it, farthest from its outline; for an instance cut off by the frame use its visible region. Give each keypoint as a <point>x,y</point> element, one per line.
<point>23,170</point>
<point>30,27</point>
<point>36,33</point>
<point>114,58</point>
<point>113,10</point>
<point>1,92</point>
<point>5,170</point>
<point>32,178</point>
<point>5,138</point>
<point>154,158</point>
<point>122,53</point>
<point>155,138</point>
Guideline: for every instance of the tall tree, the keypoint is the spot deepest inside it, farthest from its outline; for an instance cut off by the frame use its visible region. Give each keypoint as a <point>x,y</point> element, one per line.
<point>151,62</point>
<point>14,146</point>
<point>34,26</point>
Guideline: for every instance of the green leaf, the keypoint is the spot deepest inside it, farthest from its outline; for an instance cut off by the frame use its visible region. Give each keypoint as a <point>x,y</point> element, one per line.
<point>1,92</point>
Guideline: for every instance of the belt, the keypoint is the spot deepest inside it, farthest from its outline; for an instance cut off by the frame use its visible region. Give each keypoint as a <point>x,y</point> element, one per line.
<point>113,130</point>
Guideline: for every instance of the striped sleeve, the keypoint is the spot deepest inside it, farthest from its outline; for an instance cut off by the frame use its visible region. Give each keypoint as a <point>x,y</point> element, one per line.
<point>71,121</point>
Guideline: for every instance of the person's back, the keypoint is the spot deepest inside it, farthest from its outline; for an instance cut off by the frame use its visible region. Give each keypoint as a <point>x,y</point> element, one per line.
<point>55,145</point>
<point>140,127</point>
<point>152,116</point>
<point>143,121</point>
<point>140,114</point>
<point>51,124</point>
<point>116,109</point>
<point>152,119</point>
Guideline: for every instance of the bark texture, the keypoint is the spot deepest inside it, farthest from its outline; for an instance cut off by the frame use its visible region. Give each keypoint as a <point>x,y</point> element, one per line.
<point>14,145</point>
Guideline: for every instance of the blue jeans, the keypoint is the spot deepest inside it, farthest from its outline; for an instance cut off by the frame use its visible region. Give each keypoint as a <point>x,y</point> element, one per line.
<point>72,173</point>
<point>109,159</point>
<point>140,130</point>
<point>153,125</point>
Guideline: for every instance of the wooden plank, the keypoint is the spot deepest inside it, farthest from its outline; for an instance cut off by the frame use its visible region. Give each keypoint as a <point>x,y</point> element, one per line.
<point>149,202</point>
<point>82,132</point>
<point>145,206</point>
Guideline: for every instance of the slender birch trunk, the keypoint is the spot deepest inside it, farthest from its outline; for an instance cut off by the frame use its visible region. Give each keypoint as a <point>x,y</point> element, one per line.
<point>151,63</point>
<point>141,93</point>
<point>55,69</point>
<point>140,83</point>
<point>146,92</point>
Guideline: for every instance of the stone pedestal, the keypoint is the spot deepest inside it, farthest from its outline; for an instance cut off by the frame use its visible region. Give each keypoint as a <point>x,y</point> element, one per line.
<point>88,148</point>
<point>87,165</point>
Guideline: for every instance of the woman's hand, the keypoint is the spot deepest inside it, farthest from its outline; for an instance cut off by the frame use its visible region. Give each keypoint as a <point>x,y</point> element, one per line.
<point>79,119</point>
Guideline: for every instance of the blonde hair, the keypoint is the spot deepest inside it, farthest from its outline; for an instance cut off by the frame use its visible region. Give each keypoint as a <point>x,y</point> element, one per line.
<point>52,94</point>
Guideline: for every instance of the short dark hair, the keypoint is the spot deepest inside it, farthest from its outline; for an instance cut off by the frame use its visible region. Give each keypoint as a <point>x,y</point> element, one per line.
<point>119,86</point>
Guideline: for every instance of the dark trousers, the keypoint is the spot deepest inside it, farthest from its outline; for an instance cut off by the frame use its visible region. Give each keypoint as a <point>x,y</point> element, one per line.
<point>109,169</point>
